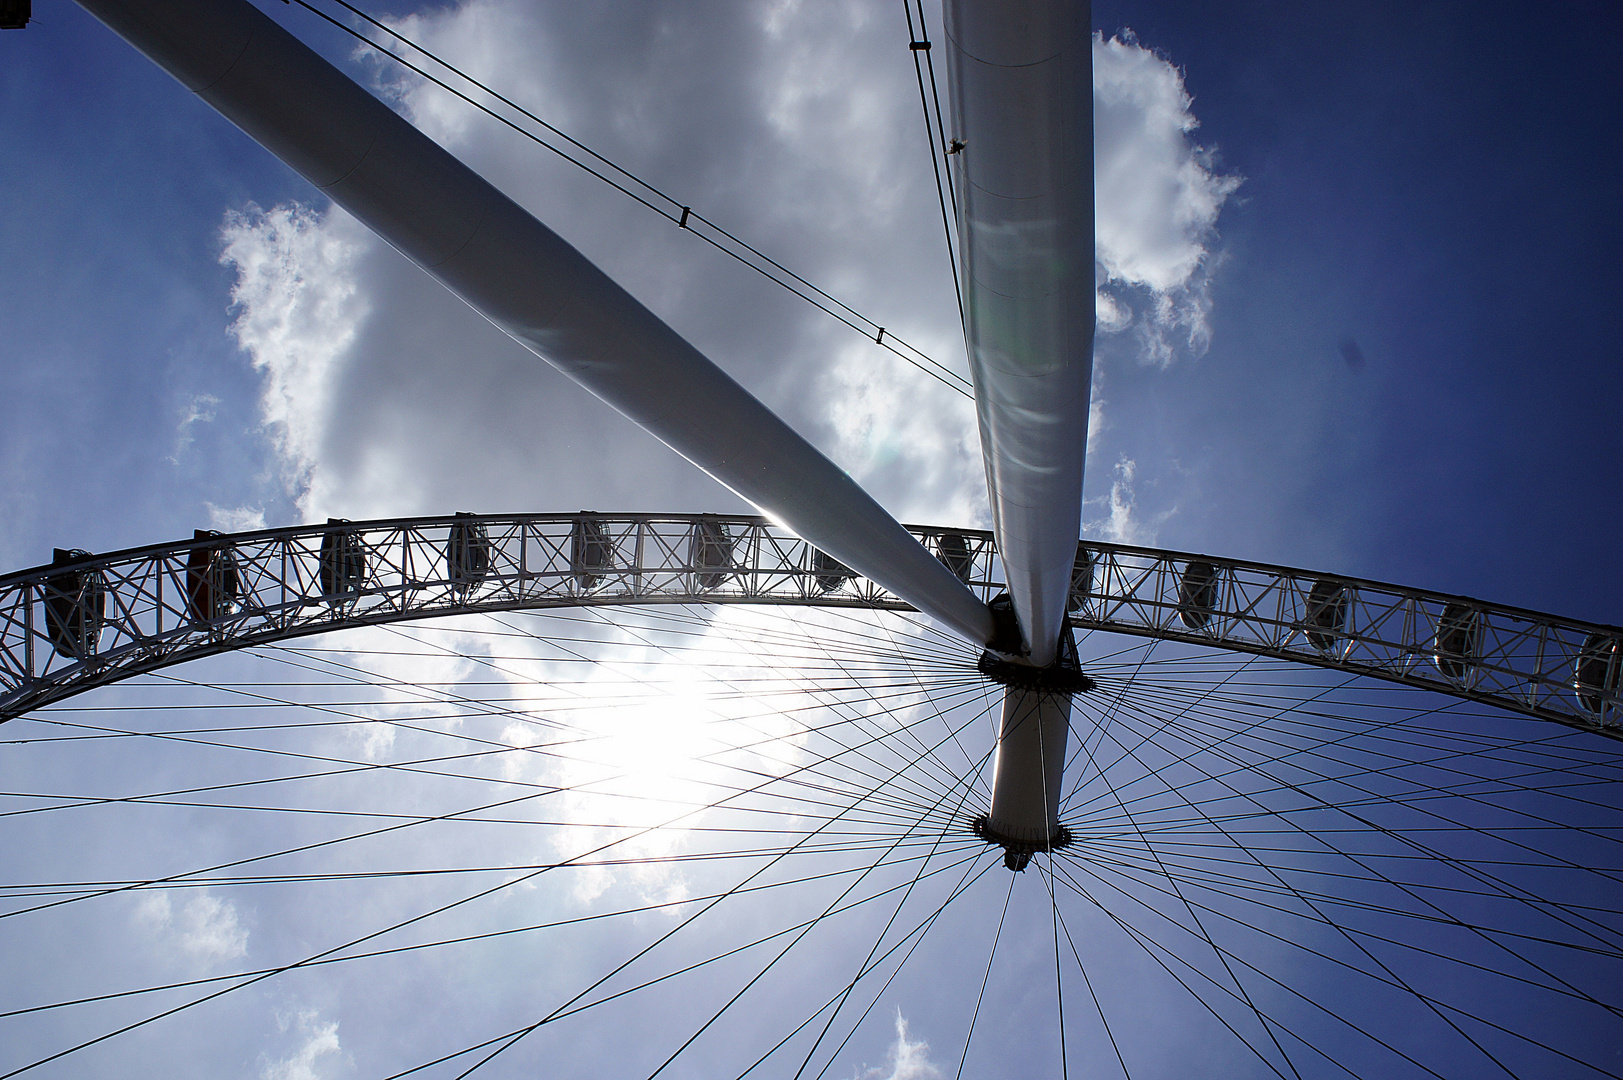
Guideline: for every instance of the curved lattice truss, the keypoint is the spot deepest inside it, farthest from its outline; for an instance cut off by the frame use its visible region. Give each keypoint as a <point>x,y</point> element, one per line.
<point>88,620</point>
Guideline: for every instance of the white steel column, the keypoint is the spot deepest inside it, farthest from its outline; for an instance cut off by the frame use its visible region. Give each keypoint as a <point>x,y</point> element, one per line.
<point>1030,766</point>
<point>528,281</point>
<point>1022,106</point>
<point>1022,110</point>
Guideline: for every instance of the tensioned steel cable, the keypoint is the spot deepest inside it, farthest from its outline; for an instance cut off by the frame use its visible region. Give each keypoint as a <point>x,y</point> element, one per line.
<point>907,660</point>
<point>266,807</point>
<point>930,702</point>
<point>508,1039</point>
<point>340,948</point>
<point>900,964</point>
<point>1243,890</point>
<point>1360,723</point>
<point>865,686</point>
<point>991,954</point>
<point>167,799</point>
<point>1059,982</point>
<point>1206,935</point>
<point>1257,893</point>
<point>1155,950</point>
<point>966,789</point>
<point>256,979</point>
<point>1379,798</point>
<point>557,1013</point>
<point>916,44</point>
<point>1144,942</point>
<point>1455,790</point>
<point>1087,982</point>
<point>1201,930</point>
<point>537,790</point>
<point>945,795</point>
<point>1331,923</point>
<point>921,929</point>
<point>684,216</point>
<point>1321,740</point>
<point>1428,741</point>
<point>1423,850</point>
<point>1336,1015</point>
<point>916,935</point>
<point>577,920</point>
<point>735,719</point>
<point>963,884</point>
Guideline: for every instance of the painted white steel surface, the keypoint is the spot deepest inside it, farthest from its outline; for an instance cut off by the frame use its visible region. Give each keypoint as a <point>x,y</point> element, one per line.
<point>1022,104</point>
<point>528,281</point>
<point>1030,765</point>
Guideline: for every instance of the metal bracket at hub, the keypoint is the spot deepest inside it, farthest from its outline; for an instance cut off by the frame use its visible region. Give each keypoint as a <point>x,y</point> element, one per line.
<point>1017,854</point>
<point>1002,665</point>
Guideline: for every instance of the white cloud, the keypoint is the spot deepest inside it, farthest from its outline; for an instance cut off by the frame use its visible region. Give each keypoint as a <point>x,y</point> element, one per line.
<point>1158,197</point>
<point>298,313</point>
<point>484,36</point>
<point>318,1048</point>
<point>200,409</point>
<point>914,437</point>
<point>385,396</point>
<point>1122,523</point>
<point>205,928</point>
<point>906,1060</point>
<point>235,518</point>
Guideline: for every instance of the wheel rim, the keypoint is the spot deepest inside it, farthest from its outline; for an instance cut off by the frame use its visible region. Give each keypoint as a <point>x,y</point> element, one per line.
<point>1201,784</point>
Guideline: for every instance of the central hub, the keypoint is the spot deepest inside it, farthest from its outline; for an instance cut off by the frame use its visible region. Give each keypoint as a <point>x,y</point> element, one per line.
<point>1017,853</point>
<point>1029,775</point>
<point>1063,676</point>
<point>1002,662</point>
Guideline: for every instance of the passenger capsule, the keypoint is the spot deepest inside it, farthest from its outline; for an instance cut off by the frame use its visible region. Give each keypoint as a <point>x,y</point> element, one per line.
<point>212,579</point>
<point>953,551</point>
<point>591,551</point>
<point>1596,671</point>
<point>710,552</point>
<point>1455,648</point>
<point>467,552</point>
<point>75,606</point>
<point>1197,594</point>
<point>1326,616</point>
<point>828,572</point>
<point>342,571</point>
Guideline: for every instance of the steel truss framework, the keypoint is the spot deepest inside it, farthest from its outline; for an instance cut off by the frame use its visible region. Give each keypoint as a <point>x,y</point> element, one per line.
<point>90,620</point>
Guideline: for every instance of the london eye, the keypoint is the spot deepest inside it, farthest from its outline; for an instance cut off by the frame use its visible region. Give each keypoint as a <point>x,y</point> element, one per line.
<point>645,793</point>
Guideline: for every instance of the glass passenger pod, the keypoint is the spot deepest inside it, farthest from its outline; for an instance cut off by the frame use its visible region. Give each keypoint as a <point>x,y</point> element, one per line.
<point>14,14</point>
<point>710,553</point>
<point>75,606</point>
<point>213,581</point>
<point>1197,594</point>
<point>342,572</point>
<point>467,552</point>
<point>1081,579</point>
<point>953,551</point>
<point>1595,675</point>
<point>591,550</point>
<point>828,572</point>
<point>1325,621</point>
<point>1455,649</point>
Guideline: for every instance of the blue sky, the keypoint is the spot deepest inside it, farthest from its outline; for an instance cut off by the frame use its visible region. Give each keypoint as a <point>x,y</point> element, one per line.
<point>1430,184</point>
<point>1407,365</point>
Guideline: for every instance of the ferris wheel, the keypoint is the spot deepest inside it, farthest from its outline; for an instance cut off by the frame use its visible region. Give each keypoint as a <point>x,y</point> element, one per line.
<point>758,776</point>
